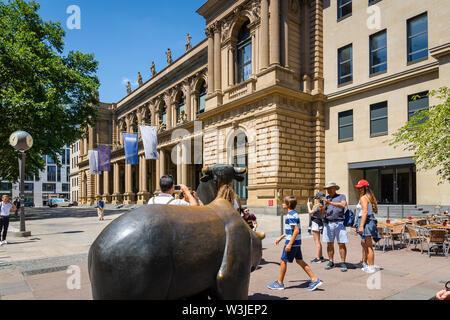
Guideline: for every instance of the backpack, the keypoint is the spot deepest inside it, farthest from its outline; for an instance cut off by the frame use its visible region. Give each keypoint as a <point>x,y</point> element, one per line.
<point>349,218</point>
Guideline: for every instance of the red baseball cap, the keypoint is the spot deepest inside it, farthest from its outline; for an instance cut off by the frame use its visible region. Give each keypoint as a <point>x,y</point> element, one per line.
<point>362,183</point>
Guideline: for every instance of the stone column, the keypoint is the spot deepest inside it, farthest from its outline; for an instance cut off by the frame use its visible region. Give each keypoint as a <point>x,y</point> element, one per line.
<point>139,119</point>
<point>91,138</point>
<point>128,195</point>
<point>169,112</point>
<point>153,114</point>
<point>162,165</point>
<point>264,35</point>
<point>106,194</point>
<point>184,164</point>
<point>285,19</point>
<point>274,32</point>
<point>217,59</point>
<point>188,101</point>
<point>158,171</point>
<point>97,178</point>
<point>210,60</point>
<point>231,51</point>
<point>117,196</point>
<point>179,164</point>
<point>143,194</point>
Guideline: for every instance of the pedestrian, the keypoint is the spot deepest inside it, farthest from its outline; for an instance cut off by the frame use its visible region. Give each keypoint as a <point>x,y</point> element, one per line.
<point>250,218</point>
<point>17,204</point>
<point>167,186</point>
<point>315,214</point>
<point>292,247</point>
<point>5,207</point>
<point>366,224</point>
<point>334,205</point>
<point>100,208</point>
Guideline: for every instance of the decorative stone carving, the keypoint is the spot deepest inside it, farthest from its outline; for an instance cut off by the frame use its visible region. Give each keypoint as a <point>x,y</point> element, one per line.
<point>128,88</point>
<point>141,83</point>
<point>161,126</point>
<point>188,43</point>
<point>153,69</point>
<point>182,118</point>
<point>169,56</point>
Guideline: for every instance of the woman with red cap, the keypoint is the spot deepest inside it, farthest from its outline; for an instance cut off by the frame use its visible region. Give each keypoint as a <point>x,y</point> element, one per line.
<point>366,225</point>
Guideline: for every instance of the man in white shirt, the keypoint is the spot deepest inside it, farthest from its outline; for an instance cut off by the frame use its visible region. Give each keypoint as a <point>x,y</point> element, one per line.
<point>168,189</point>
<point>5,207</point>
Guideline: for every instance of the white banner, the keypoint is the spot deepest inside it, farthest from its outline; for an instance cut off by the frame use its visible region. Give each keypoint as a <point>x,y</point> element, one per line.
<point>150,141</point>
<point>93,161</point>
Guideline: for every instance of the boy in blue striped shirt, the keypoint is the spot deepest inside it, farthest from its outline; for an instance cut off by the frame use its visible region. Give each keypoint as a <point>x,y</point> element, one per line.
<point>292,247</point>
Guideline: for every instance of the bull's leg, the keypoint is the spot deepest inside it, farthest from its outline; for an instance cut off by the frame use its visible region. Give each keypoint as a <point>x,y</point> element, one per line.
<point>234,274</point>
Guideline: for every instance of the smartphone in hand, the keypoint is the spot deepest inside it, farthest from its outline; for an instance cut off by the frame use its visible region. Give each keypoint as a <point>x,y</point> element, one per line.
<point>177,188</point>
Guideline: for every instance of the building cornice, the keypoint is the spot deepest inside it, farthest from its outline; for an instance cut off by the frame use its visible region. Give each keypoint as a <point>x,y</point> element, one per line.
<point>384,81</point>
<point>440,51</point>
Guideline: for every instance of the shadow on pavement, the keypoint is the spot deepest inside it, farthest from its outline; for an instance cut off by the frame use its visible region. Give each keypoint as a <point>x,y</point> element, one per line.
<point>51,213</point>
<point>263,296</point>
<point>264,262</point>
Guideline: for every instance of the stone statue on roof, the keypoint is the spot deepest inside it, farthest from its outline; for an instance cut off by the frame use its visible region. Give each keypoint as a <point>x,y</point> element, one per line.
<point>129,88</point>
<point>153,69</point>
<point>140,79</point>
<point>169,57</point>
<point>188,43</point>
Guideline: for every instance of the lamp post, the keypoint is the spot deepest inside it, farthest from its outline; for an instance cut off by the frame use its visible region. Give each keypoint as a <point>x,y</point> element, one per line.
<point>21,141</point>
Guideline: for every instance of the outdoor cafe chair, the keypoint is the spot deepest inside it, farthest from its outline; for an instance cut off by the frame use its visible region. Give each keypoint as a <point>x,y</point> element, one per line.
<point>437,238</point>
<point>397,233</point>
<point>414,237</point>
<point>385,236</point>
<point>421,222</point>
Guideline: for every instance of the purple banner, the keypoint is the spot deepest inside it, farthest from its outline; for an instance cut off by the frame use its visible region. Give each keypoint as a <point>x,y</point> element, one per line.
<point>104,158</point>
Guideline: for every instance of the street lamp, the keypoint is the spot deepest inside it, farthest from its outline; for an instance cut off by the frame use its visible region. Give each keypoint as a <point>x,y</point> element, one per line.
<point>21,141</point>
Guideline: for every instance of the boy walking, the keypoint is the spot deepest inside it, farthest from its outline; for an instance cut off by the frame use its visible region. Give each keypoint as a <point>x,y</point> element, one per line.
<point>100,208</point>
<point>292,248</point>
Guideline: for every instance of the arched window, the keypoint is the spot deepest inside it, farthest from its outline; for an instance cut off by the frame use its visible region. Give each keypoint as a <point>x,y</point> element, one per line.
<point>180,109</point>
<point>240,159</point>
<point>201,98</point>
<point>244,53</point>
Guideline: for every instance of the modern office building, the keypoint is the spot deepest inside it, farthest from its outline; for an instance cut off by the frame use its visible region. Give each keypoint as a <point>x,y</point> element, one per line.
<point>298,91</point>
<point>378,56</point>
<point>53,182</point>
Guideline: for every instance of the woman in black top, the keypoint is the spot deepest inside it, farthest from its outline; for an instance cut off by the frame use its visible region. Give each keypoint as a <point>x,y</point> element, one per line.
<point>317,225</point>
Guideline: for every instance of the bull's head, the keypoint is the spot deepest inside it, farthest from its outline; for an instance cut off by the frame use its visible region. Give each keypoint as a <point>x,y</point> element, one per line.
<point>216,176</point>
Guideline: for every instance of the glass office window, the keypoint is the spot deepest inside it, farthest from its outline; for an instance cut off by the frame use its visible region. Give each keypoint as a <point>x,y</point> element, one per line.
<point>417,37</point>
<point>379,118</point>
<point>378,52</point>
<point>345,64</point>
<point>345,125</point>
<point>344,8</point>
<point>417,102</point>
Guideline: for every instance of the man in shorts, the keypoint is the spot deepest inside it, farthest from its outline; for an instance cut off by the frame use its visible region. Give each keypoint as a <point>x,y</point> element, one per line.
<point>333,210</point>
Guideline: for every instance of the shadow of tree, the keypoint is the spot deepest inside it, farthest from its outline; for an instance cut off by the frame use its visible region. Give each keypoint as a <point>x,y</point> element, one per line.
<point>51,213</point>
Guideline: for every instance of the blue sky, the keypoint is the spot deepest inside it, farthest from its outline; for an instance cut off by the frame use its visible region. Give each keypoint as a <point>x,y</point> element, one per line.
<point>126,36</point>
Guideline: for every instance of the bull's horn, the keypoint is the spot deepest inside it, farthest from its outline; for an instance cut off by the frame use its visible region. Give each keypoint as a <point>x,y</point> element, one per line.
<point>205,170</point>
<point>260,235</point>
<point>240,170</point>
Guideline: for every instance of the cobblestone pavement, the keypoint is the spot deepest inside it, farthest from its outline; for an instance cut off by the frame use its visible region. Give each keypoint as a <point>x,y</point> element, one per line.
<point>36,268</point>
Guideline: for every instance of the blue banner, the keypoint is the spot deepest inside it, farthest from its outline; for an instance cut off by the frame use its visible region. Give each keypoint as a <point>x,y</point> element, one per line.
<point>130,142</point>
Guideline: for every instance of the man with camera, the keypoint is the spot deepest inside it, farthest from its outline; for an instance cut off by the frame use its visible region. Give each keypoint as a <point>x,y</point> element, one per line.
<point>168,189</point>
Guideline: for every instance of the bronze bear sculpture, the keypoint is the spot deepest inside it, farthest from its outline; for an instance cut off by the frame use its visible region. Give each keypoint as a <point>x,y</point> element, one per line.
<point>166,252</point>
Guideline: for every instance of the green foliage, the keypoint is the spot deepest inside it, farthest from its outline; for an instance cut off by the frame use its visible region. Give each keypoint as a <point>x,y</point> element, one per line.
<point>43,92</point>
<point>427,134</point>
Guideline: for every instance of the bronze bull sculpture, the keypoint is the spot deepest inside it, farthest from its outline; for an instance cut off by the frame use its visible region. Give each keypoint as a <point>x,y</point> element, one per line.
<point>164,252</point>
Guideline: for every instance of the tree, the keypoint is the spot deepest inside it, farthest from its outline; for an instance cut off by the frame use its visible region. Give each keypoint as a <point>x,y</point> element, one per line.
<point>427,134</point>
<point>50,95</point>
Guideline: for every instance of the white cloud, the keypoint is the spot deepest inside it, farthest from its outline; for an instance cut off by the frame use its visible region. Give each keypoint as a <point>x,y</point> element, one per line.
<point>126,80</point>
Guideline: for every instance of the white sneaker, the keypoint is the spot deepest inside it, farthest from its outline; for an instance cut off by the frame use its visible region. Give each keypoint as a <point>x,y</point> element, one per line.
<point>365,267</point>
<point>371,269</point>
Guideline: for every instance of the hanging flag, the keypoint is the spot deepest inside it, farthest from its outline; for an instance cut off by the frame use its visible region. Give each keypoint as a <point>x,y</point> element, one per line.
<point>93,161</point>
<point>150,141</point>
<point>104,158</point>
<point>130,142</point>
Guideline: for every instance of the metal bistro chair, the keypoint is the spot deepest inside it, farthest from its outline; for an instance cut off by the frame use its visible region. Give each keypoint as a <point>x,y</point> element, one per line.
<point>385,236</point>
<point>398,233</point>
<point>437,238</point>
<point>414,237</point>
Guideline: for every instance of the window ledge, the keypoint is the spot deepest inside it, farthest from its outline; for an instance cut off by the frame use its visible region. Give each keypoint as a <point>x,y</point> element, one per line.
<point>372,75</point>
<point>379,134</point>
<point>345,140</point>
<point>417,61</point>
<point>344,17</point>
<point>345,84</point>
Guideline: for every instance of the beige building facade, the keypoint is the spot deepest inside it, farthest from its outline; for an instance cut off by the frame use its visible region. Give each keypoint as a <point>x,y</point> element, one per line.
<point>379,54</point>
<point>261,91</point>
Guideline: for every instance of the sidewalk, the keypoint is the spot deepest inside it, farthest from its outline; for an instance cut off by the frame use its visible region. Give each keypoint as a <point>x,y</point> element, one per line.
<point>36,268</point>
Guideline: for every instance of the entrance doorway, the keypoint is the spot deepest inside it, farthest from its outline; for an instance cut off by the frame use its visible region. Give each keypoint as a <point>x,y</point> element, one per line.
<point>393,185</point>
